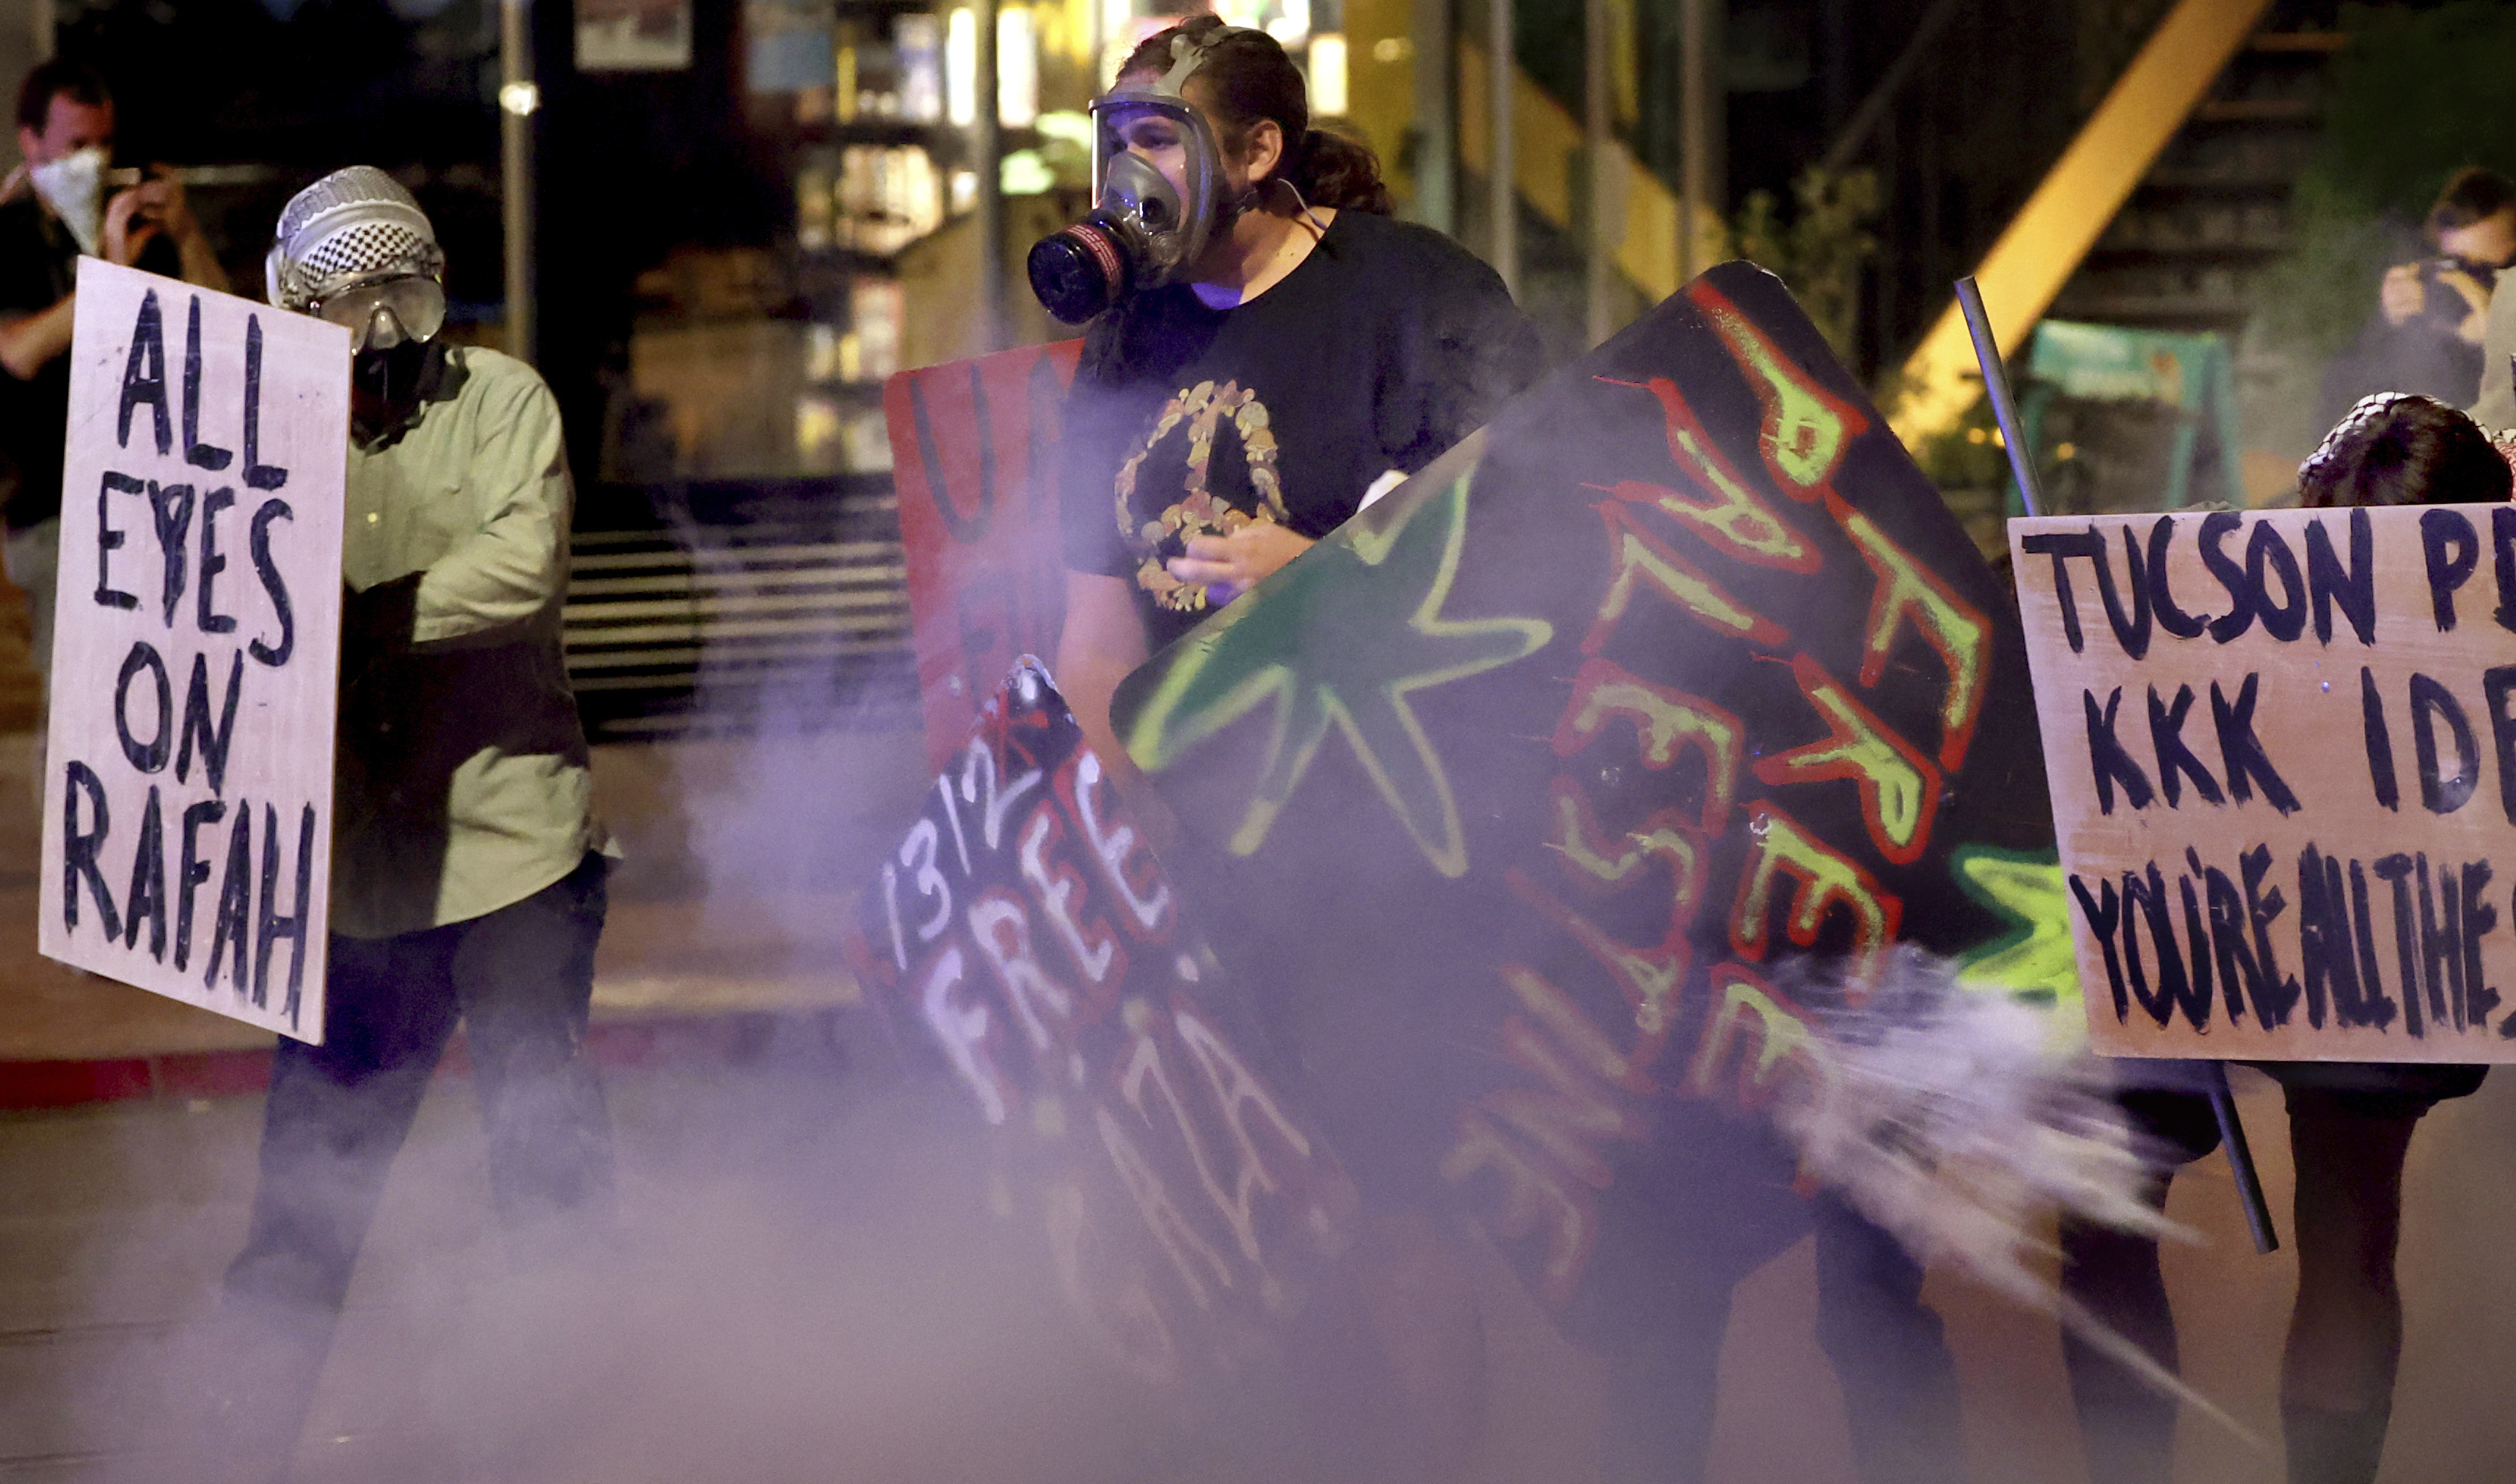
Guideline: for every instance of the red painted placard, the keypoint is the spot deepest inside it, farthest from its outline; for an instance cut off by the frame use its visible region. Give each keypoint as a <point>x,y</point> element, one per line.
<point>975,450</point>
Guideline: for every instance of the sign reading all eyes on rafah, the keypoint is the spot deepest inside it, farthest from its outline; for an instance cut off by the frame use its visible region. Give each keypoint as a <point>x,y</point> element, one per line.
<point>187,818</point>
<point>2283,755</point>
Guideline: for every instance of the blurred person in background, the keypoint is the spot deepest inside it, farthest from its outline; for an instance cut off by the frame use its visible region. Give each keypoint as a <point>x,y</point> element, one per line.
<point>53,209</point>
<point>2349,1123</point>
<point>2432,314</point>
<point>468,869</point>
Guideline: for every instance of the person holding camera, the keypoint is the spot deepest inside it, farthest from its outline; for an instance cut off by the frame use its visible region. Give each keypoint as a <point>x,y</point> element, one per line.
<point>53,209</point>
<point>2432,314</point>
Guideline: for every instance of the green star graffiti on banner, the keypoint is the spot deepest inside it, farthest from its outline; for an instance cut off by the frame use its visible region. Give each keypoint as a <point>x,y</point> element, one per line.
<point>1367,604</point>
<point>2034,959</point>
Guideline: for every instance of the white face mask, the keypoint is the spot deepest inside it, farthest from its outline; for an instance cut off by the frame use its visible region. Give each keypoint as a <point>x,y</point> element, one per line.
<point>73,185</point>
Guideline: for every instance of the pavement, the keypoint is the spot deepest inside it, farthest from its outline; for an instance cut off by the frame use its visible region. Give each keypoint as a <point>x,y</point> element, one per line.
<point>723,904</point>
<point>811,1285</point>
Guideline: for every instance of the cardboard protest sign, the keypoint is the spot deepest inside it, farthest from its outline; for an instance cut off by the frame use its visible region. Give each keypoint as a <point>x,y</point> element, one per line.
<point>1024,937</point>
<point>2282,750</point>
<point>1524,791</point>
<point>188,818</point>
<point>975,450</point>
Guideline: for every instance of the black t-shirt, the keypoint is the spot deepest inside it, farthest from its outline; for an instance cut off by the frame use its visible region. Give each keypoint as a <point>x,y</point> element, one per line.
<point>1387,345</point>
<point>38,269</point>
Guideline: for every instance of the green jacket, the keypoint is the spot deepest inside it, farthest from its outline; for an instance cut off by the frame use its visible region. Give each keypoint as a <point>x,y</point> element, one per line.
<point>461,786</point>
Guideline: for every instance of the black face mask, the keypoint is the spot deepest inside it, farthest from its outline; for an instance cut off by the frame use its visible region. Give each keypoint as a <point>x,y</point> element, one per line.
<point>387,385</point>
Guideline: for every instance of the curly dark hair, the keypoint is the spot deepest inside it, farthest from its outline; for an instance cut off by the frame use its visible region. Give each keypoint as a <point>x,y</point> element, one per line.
<point>2399,448</point>
<point>1246,77</point>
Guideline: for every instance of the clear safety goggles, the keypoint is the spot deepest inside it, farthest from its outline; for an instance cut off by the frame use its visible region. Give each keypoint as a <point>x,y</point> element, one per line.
<point>383,312</point>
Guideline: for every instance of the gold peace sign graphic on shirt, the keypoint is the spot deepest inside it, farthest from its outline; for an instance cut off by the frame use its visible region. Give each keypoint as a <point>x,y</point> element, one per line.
<point>1203,409</point>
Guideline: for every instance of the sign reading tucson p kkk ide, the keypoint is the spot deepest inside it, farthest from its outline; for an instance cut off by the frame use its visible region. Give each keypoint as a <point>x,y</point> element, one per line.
<point>2283,754</point>
<point>188,818</point>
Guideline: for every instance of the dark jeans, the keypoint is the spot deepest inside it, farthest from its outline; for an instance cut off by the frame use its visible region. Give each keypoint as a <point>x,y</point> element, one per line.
<point>1899,1381</point>
<point>521,980</point>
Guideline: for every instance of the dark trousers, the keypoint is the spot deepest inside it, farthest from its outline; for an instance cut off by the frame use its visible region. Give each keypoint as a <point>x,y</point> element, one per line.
<point>521,980</point>
<point>1899,1381</point>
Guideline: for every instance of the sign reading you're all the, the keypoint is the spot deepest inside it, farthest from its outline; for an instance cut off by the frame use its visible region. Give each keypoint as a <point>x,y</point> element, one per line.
<point>2283,756</point>
<point>187,818</point>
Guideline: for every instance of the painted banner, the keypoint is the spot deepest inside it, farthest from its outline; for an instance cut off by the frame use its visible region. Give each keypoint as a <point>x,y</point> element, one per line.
<point>975,450</point>
<point>2282,747</point>
<point>1026,939</point>
<point>1531,793</point>
<point>187,799</point>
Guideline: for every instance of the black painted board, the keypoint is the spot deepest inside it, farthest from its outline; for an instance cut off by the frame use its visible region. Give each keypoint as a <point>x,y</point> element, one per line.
<point>1516,801</point>
<point>1022,944</point>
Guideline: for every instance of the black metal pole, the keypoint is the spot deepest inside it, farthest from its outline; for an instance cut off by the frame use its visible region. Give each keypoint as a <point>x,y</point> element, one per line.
<point>2022,465</point>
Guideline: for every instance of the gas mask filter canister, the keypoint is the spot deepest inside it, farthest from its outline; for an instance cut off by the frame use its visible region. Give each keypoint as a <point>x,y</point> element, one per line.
<point>1142,229</point>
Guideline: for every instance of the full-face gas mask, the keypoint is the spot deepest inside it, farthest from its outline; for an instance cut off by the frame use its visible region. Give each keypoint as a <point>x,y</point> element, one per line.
<point>1142,230</point>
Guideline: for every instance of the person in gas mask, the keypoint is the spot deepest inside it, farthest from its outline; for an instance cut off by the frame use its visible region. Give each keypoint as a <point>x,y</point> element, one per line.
<point>1265,347</point>
<point>54,208</point>
<point>468,869</point>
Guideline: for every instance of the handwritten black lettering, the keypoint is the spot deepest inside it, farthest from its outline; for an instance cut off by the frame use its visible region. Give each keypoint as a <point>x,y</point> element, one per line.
<point>2377,1009</point>
<point>2240,617</point>
<point>2380,743</point>
<point>150,755</point>
<point>191,872</point>
<point>2267,554</point>
<point>170,507</point>
<point>2107,759</point>
<point>273,583</point>
<point>2498,684</point>
<point>234,921</point>
<point>2395,871</point>
<point>257,473</point>
<point>2452,550</point>
<point>2324,943</point>
<point>2240,751</point>
<point>2175,988</point>
<point>2479,919</point>
<point>198,454</point>
<point>144,374</point>
<point>276,926</point>
<point>2104,912</point>
<point>109,538</point>
<point>2059,546</point>
<point>2441,792</point>
<point>2440,949</point>
<point>2352,589</point>
<point>2161,598</point>
<point>2503,544</point>
<point>146,897</point>
<point>205,615</point>
<point>80,847</point>
<point>214,739</point>
<point>2175,760</point>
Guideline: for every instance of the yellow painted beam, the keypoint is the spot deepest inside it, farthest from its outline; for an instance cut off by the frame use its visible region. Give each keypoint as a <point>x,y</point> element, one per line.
<point>1549,151</point>
<point>2043,244</point>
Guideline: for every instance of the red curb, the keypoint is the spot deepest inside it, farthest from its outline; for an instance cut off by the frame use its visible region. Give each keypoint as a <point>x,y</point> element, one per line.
<point>32,1085</point>
<point>68,1083</point>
